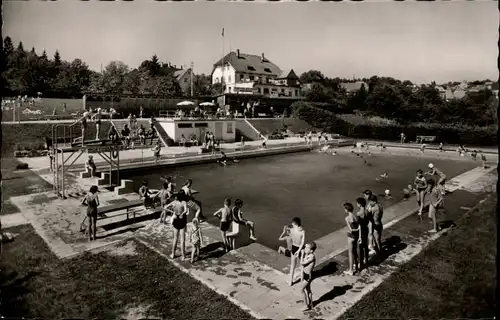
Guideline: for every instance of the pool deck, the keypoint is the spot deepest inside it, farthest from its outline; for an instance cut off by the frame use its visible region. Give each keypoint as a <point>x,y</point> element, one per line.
<point>254,277</point>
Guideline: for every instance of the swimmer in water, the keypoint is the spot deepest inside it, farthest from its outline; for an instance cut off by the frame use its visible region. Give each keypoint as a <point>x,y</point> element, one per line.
<point>382,176</point>
<point>222,160</point>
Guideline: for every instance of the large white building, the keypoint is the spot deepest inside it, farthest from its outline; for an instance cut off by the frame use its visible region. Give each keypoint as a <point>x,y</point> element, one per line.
<point>255,75</point>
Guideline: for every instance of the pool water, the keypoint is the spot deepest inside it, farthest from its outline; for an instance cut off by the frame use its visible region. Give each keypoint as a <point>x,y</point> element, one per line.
<point>308,185</point>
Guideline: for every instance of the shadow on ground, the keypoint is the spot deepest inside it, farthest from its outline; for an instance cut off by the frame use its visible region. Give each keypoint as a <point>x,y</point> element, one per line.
<point>337,291</point>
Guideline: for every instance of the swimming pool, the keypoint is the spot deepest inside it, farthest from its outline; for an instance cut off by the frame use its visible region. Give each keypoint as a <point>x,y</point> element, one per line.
<point>308,185</point>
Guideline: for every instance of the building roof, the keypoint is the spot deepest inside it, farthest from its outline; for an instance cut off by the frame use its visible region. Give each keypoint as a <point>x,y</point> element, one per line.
<point>249,63</point>
<point>354,86</point>
<point>288,74</point>
<point>180,73</point>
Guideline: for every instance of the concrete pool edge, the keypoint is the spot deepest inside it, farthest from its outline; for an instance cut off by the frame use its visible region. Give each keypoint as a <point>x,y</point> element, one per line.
<point>194,159</point>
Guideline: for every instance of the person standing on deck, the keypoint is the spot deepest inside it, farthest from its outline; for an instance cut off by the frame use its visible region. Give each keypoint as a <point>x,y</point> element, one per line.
<point>179,211</point>
<point>364,229</point>
<point>91,200</point>
<point>188,191</point>
<point>377,212</point>
<point>298,236</point>
<point>441,178</point>
<point>83,122</point>
<point>353,232</point>
<point>152,129</point>
<point>421,187</point>
<point>97,118</point>
<point>164,197</point>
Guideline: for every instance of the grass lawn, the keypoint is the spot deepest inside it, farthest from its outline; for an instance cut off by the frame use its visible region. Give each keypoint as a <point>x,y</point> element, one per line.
<point>455,277</point>
<point>34,283</point>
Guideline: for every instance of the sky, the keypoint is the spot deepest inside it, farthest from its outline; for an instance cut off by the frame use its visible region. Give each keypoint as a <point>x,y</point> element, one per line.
<point>421,42</point>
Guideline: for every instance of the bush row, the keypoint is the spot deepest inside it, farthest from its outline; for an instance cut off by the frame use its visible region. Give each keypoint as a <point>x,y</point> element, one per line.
<point>450,133</point>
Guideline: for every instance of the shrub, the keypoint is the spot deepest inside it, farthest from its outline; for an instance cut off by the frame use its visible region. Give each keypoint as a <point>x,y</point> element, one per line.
<point>386,130</point>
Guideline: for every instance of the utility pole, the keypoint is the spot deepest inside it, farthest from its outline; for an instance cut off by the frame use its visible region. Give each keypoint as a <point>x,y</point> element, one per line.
<point>192,68</point>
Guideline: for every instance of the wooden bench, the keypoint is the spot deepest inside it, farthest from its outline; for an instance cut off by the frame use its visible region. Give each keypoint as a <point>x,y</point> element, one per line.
<point>116,207</point>
<point>421,139</point>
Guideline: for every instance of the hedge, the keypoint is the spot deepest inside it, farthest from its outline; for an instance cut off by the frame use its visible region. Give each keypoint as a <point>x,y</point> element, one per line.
<point>446,133</point>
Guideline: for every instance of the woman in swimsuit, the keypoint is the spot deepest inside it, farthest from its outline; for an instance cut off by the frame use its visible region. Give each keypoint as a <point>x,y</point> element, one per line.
<point>353,234</point>
<point>224,214</point>
<point>179,220</point>
<point>91,200</point>
<point>298,236</point>
<point>421,187</point>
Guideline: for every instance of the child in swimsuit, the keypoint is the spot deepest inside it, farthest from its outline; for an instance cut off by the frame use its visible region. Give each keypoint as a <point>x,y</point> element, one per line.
<point>196,240</point>
<point>308,261</point>
<point>224,214</point>
<point>285,236</point>
<point>164,196</point>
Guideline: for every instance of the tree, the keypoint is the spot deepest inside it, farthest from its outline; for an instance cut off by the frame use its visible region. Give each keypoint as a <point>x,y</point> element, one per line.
<point>8,46</point>
<point>316,93</point>
<point>57,59</point>
<point>44,55</point>
<point>33,50</point>
<point>311,76</point>
<point>154,66</point>
<point>113,77</point>
<point>20,46</point>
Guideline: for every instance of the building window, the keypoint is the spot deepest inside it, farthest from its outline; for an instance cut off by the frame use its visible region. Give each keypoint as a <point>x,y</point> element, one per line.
<point>266,90</point>
<point>251,68</point>
<point>290,93</point>
<point>229,78</point>
<point>282,90</point>
<point>274,89</point>
<point>184,125</point>
<point>263,79</point>
<point>258,90</point>
<point>296,93</point>
<point>185,80</point>
<point>252,78</point>
<point>201,125</point>
<point>242,76</point>
<point>229,127</point>
<point>267,70</point>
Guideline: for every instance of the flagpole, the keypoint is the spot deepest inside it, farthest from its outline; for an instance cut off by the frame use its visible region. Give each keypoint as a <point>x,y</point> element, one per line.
<point>222,80</point>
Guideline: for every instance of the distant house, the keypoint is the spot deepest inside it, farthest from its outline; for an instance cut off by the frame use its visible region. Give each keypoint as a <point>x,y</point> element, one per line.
<point>353,87</point>
<point>183,77</point>
<point>255,75</point>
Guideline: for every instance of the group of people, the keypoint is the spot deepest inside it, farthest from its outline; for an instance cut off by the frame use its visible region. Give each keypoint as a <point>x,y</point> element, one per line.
<point>180,204</point>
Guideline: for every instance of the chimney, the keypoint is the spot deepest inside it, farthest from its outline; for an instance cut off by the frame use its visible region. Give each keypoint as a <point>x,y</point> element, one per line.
<point>263,58</point>
<point>238,53</point>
